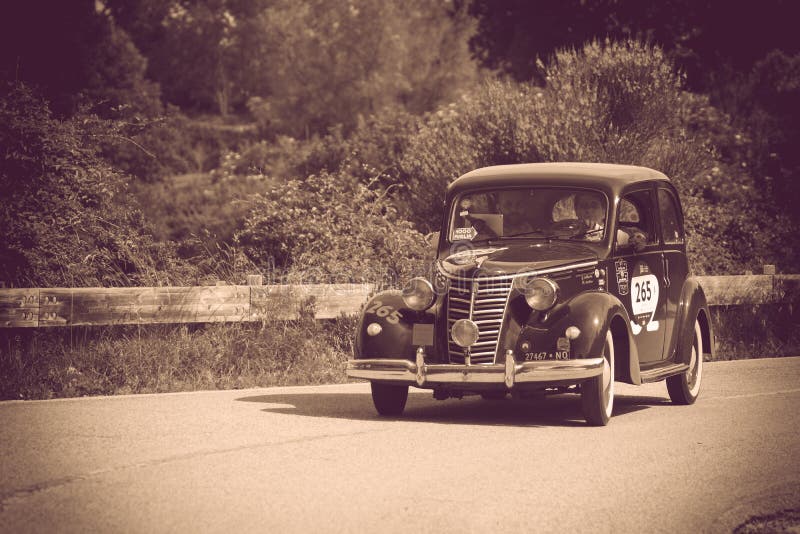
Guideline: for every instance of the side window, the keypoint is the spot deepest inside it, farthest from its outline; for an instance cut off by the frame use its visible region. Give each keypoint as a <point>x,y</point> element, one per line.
<point>635,215</point>
<point>670,218</point>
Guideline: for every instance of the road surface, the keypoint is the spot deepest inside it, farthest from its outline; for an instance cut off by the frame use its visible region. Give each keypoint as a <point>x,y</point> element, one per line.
<point>318,458</point>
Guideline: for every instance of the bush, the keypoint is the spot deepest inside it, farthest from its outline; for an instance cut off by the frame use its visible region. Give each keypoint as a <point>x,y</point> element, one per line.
<point>152,149</point>
<point>331,228</point>
<point>493,126</point>
<point>613,103</point>
<point>67,218</point>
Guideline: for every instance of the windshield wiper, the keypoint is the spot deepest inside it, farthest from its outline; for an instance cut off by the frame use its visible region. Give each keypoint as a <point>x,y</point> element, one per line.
<point>545,235</point>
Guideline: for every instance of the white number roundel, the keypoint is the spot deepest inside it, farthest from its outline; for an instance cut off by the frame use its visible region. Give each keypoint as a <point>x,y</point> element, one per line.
<point>644,296</point>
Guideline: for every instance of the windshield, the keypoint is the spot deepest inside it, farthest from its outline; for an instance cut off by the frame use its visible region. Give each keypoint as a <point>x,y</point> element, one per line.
<point>544,212</point>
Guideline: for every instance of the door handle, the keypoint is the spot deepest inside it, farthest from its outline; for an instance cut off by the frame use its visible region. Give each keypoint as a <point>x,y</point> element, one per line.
<point>665,262</point>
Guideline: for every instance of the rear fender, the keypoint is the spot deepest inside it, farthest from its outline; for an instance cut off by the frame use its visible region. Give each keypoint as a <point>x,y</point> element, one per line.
<point>692,306</point>
<point>396,321</point>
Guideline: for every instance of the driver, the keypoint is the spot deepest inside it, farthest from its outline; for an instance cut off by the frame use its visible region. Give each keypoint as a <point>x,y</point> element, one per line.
<point>591,213</point>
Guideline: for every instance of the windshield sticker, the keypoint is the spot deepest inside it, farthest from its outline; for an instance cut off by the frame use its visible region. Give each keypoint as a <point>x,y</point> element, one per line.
<point>467,234</point>
<point>622,276</point>
<point>644,297</point>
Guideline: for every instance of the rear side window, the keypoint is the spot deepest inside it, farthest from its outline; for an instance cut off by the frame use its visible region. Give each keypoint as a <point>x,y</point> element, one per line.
<point>635,214</point>
<point>671,227</point>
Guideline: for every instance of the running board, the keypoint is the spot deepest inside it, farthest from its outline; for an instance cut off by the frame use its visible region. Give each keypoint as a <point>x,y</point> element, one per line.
<point>662,372</point>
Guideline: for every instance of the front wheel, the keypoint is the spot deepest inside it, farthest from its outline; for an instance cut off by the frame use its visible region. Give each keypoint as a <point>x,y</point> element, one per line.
<point>597,394</point>
<point>389,399</point>
<point>685,387</point>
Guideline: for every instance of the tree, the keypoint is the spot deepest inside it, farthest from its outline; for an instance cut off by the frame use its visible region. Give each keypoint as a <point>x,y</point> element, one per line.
<point>332,62</point>
<point>705,38</point>
<point>204,53</point>
<point>70,51</point>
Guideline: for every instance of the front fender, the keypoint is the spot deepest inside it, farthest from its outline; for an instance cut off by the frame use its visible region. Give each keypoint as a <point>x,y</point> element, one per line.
<point>692,306</point>
<point>593,313</point>
<point>397,336</point>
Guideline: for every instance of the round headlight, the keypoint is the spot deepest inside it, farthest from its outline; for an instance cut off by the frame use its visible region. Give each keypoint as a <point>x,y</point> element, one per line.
<point>418,294</point>
<point>540,293</point>
<point>464,332</point>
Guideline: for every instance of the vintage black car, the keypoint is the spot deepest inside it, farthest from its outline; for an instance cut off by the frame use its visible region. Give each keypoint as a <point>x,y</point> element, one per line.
<point>549,277</point>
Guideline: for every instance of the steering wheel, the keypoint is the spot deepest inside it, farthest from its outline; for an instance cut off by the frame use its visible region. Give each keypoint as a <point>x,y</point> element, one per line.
<point>568,227</point>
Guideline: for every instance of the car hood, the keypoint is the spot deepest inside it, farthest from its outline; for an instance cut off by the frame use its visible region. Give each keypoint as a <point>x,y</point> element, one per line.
<point>513,258</point>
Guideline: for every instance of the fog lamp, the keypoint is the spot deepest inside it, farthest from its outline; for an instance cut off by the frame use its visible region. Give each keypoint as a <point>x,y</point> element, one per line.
<point>540,293</point>
<point>374,329</point>
<point>464,333</point>
<point>418,294</point>
<point>572,332</point>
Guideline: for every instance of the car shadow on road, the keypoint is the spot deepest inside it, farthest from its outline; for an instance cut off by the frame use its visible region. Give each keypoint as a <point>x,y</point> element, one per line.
<point>556,410</point>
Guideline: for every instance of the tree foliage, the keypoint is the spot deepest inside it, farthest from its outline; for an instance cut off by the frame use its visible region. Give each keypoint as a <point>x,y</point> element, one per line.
<point>74,54</point>
<point>705,38</point>
<point>302,67</point>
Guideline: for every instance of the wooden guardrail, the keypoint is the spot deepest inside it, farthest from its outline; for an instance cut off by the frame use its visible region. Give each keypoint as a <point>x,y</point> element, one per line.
<point>39,307</point>
<point>152,305</point>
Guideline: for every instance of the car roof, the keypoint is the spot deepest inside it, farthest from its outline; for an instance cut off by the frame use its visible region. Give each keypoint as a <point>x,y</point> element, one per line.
<point>609,176</point>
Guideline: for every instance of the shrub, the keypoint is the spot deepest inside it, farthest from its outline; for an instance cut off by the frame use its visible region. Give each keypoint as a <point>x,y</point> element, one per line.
<point>152,149</point>
<point>331,228</point>
<point>493,126</point>
<point>67,218</point>
<point>606,102</point>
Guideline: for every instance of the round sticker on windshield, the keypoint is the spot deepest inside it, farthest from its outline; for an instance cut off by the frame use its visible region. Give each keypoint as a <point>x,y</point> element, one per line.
<point>644,295</point>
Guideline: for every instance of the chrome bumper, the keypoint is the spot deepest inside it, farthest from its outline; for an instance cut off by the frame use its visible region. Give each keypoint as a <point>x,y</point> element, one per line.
<point>509,373</point>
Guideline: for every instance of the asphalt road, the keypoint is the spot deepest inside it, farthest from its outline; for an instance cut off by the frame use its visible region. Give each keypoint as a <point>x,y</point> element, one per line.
<point>318,458</point>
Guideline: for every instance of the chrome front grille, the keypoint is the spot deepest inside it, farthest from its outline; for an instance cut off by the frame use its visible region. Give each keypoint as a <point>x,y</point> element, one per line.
<point>485,305</point>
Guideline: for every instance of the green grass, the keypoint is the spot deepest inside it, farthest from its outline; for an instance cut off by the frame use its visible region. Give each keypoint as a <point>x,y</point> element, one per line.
<point>113,360</point>
<point>761,331</point>
<point>82,361</point>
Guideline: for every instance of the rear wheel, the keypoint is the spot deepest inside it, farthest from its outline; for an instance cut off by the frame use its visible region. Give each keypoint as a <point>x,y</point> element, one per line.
<point>685,387</point>
<point>597,394</point>
<point>389,399</point>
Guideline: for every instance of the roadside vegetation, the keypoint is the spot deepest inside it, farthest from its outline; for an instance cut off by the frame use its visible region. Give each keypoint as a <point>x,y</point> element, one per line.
<point>167,157</point>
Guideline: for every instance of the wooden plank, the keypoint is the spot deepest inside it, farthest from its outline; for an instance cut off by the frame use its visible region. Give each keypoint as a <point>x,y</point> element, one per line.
<point>333,300</point>
<point>146,305</point>
<point>19,308</point>
<point>55,306</point>
<point>736,290</point>
<point>329,300</point>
